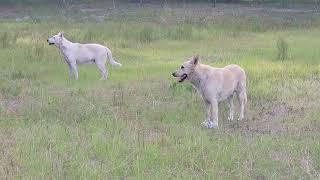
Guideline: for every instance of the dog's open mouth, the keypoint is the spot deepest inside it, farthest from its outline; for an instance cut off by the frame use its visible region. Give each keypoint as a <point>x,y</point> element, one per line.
<point>51,43</point>
<point>183,77</point>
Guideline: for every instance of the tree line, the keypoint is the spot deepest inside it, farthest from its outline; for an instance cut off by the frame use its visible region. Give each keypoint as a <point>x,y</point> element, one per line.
<point>282,3</point>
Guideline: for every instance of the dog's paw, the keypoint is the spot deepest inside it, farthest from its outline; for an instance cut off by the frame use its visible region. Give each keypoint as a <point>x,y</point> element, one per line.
<point>103,78</point>
<point>210,125</point>
<point>240,118</point>
<point>204,123</point>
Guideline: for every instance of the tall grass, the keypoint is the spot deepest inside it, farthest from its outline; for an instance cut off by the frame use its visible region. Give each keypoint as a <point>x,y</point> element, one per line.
<point>5,40</point>
<point>282,47</point>
<point>141,123</point>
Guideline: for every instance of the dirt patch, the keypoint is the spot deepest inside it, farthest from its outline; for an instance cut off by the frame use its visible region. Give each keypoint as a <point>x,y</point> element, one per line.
<point>281,156</point>
<point>10,106</point>
<point>269,118</point>
<point>307,164</point>
<point>272,118</point>
<point>286,115</point>
<point>9,166</point>
<point>152,136</point>
<point>13,105</point>
<point>60,93</point>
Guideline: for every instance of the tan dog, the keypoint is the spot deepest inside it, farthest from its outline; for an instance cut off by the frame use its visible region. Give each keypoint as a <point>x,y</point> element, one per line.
<point>215,85</point>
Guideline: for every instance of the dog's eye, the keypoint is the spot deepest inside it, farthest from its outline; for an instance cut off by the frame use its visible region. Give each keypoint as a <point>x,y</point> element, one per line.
<point>182,67</point>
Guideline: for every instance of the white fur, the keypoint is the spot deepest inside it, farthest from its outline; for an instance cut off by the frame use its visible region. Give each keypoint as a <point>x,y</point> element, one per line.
<point>76,53</point>
<point>215,85</point>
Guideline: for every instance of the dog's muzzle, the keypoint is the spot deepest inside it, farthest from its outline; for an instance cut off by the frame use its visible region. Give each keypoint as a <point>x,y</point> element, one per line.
<point>49,42</point>
<point>183,77</point>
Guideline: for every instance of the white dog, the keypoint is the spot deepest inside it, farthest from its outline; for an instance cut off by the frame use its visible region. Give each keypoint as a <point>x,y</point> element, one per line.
<point>76,53</point>
<point>215,85</point>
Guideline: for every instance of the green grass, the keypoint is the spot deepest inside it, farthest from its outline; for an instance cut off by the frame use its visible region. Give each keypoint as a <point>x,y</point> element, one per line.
<point>140,123</point>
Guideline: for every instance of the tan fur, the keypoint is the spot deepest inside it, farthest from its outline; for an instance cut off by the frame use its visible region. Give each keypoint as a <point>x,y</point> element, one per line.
<point>215,85</point>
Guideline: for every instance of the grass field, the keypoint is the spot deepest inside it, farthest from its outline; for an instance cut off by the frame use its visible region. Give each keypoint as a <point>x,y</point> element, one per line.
<point>140,123</point>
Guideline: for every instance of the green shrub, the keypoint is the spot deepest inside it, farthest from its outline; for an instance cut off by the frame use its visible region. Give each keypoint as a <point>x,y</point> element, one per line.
<point>282,47</point>
<point>5,40</point>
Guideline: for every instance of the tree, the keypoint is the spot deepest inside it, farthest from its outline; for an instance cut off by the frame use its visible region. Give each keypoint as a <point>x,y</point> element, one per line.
<point>317,4</point>
<point>284,3</point>
<point>213,1</point>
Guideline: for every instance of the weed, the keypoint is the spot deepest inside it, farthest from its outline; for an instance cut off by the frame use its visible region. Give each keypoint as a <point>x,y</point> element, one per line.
<point>282,49</point>
<point>5,39</point>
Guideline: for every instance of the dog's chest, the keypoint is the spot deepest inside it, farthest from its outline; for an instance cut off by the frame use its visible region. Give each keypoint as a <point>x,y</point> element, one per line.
<point>66,53</point>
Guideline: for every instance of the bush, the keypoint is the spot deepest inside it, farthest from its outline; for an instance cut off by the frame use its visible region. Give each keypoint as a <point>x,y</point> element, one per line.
<point>282,47</point>
<point>4,38</point>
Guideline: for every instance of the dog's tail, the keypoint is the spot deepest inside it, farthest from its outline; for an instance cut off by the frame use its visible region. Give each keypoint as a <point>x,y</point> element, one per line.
<point>244,89</point>
<point>245,98</point>
<point>111,60</point>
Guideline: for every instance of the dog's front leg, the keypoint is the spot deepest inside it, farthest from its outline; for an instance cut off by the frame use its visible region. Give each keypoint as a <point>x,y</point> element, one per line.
<point>230,107</point>
<point>242,98</point>
<point>75,70</point>
<point>72,65</point>
<point>213,123</point>
<point>208,113</point>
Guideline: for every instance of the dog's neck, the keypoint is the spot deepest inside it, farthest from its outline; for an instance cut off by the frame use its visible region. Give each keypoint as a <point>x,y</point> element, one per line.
<point>64,45</point>
<point>194,77</point>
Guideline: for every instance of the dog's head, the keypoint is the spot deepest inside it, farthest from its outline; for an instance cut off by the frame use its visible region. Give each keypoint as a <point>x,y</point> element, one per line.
<point>186,69</point>
<point>56,39</point>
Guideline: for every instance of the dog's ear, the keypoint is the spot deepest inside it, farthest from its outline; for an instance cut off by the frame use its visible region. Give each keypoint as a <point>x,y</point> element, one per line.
<point>195,59</point>
<point>61,34</point>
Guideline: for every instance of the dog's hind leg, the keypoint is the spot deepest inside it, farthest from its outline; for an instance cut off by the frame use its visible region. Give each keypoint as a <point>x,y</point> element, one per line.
<point>208,113</point>
<point>213,123</point>
<point>103,70</point>
<point>230,107</point>
<point>242,97</point>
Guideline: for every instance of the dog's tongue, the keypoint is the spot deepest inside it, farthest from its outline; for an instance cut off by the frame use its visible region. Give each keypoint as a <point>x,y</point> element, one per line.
<point>182,78</point>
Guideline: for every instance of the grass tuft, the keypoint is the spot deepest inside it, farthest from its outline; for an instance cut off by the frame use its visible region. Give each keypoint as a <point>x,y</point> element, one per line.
<point>282,49</point>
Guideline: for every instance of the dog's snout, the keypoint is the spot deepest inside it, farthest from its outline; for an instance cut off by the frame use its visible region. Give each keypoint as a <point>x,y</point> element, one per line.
<point>47,40</point>
<point>174,74</point>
